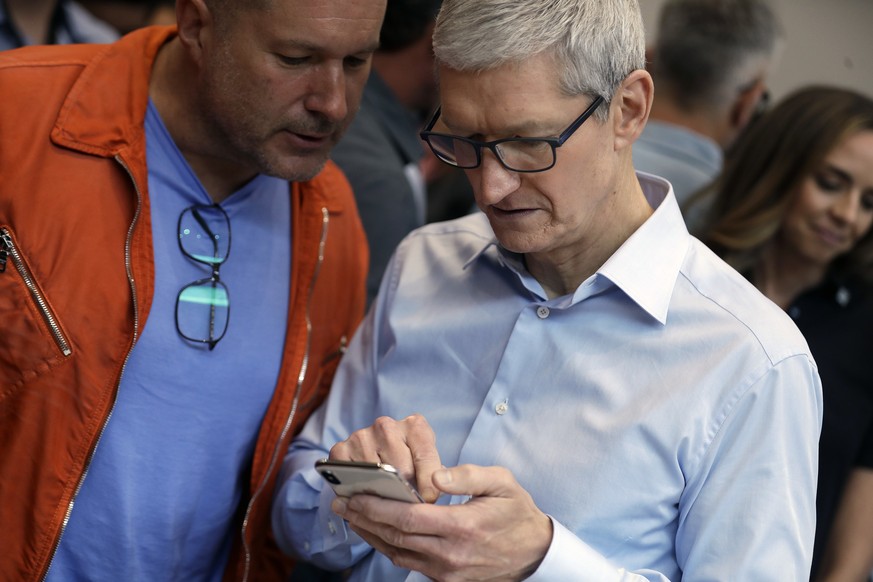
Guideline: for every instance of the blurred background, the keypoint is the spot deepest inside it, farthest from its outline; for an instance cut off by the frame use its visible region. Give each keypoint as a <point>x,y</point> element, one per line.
<point>826,42</point>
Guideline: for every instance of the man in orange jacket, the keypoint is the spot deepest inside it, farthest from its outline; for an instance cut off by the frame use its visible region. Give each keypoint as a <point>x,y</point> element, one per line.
<point>180,269</point>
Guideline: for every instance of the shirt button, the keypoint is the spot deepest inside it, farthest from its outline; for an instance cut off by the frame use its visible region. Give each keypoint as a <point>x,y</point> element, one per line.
<point>331,528</point>
<point>501,408</point>
<point>542,312</point>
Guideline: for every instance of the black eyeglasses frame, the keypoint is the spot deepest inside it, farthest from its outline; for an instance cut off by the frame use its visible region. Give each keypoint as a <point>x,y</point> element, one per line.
<point>553,142</point>
<point>214,279</point>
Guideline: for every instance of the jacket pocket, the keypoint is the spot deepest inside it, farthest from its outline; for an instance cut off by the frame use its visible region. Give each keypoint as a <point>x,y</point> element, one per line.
<point>31,338</point>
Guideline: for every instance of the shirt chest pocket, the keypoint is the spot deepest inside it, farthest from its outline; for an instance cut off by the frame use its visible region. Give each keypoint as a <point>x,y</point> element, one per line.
<point>31,337</point>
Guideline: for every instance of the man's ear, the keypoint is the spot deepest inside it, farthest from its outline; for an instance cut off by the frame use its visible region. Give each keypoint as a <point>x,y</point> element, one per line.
<point>631,107</point>
<point>194,20</point>
<point>745,105</point>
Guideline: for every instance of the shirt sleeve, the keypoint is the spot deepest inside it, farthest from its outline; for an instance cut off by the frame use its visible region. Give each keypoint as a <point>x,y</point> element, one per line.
<point>303,523</point>
<point>569,558</point>
<point>748,511</point>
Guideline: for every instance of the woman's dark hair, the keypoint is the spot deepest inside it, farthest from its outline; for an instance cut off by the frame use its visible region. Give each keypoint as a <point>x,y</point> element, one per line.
<point>763,171</point>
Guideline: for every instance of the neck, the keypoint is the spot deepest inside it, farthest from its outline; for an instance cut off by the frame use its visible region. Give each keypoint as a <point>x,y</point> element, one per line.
<point>783,276</point>
<point>561,272</point>
<point>173,91</point>
<point>33,18</point>
<point>705,123</point>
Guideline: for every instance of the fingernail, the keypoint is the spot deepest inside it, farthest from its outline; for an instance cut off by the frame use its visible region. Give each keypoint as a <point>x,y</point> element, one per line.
<point>339,506</point>
<point>429,494</point>
<point>443,476</point>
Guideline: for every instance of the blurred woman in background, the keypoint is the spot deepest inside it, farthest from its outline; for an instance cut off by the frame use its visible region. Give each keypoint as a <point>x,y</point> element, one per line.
<point>792,211</point>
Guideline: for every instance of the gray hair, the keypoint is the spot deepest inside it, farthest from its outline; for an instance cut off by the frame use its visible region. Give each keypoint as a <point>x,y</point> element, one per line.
<point>595,43</point>
<point>707,50</point>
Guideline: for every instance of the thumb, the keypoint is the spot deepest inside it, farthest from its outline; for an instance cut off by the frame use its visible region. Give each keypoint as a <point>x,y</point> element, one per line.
<point>475,480</point>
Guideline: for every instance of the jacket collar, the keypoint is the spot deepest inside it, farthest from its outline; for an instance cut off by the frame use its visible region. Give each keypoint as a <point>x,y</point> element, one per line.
<point>104,110</point>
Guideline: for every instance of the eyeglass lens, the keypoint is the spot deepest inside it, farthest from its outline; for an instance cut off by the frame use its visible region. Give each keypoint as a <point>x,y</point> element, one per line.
<point>203,307</point>
<point>521,155</point>
<point>204,234</point>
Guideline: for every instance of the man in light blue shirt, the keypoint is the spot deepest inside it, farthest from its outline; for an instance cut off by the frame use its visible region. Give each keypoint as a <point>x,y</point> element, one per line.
<point>688,159</point>
<point>710,61</point>
<point>589,392</point>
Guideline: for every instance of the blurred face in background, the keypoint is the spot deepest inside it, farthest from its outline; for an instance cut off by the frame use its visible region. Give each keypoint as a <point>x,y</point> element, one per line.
<point>833,207</point>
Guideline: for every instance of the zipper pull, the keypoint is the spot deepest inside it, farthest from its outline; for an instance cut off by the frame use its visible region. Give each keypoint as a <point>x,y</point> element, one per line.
<point>5,245</point>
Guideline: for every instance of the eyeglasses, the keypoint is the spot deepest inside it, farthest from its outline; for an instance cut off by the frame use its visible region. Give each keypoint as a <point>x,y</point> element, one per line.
<point>763,102</point>
<point>203,307</point>
<point>518,154</point>
<point>762,106</point>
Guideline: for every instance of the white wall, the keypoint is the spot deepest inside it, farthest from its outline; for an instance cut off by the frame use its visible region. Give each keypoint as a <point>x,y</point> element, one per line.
<point>827,41</point>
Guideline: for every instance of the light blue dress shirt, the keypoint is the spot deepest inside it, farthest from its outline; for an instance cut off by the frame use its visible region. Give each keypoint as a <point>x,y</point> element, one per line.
<point>689,160</point>
<point>665,415</point>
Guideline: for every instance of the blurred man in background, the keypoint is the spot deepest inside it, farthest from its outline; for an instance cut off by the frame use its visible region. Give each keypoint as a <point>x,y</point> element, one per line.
<point>710,63</point>
<point>381,153</point>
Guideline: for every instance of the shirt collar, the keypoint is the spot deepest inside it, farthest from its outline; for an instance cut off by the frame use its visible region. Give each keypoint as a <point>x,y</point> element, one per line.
<point>59,23</point>
<point>645,267</point>
<point>684,143</point>
<point>11,36</point>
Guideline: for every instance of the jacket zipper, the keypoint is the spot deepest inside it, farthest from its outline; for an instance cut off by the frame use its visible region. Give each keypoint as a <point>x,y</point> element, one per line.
<point>325,220</point>
<point>129,268</point>
<point>7,250</point>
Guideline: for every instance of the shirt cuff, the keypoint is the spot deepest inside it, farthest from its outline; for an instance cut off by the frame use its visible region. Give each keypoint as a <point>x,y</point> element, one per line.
<point>569,558</point>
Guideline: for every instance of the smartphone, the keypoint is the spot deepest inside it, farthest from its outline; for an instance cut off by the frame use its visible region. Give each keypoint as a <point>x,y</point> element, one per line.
<point>353,477</point>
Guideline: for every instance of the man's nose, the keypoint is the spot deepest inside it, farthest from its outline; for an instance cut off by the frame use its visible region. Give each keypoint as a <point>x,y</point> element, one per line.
<point>327,94</point>
<point>494,180</point>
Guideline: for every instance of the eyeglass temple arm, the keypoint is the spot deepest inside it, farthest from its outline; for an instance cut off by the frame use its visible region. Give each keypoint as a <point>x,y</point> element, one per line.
<point>581,119</point>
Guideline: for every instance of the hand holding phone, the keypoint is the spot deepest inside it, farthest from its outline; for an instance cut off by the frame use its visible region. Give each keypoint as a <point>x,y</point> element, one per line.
<point>349,478</point>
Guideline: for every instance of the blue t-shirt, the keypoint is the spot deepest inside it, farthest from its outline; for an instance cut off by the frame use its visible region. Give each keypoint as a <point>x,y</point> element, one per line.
<point>168,473</point>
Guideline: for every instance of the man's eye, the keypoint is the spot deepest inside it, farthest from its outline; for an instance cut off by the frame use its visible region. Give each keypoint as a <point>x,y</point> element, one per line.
<point>293,61</point>
<point>356,62</point>
<point>532,146</point>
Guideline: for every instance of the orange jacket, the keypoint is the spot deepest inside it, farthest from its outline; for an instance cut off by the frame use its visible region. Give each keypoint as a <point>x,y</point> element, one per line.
<point>76,284</point>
